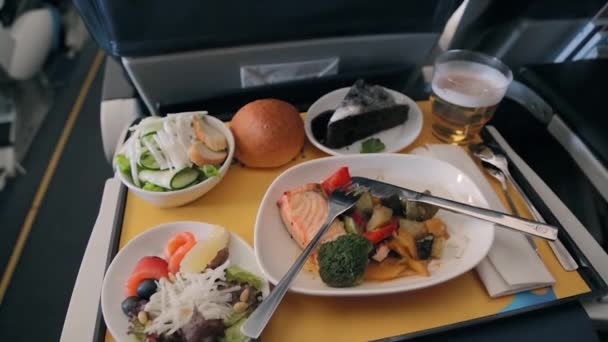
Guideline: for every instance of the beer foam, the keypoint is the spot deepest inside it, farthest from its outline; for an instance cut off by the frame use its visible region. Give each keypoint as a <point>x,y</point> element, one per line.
<point>492,81</point>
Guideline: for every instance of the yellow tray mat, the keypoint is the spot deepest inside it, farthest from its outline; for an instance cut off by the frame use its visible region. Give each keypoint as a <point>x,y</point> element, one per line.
<point>234,204</point>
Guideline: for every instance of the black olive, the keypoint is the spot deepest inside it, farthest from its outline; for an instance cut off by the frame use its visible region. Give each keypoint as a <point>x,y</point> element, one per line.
<point>146,288</point>
<point>424,246</point>
<point>130,305</point>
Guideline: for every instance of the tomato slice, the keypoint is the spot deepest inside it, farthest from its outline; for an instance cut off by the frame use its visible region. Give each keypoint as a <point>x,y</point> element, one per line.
<point>177,241</point>
<point>179,255</point>
<point>337,180</point>
<point>382,232</point>
<point>150,267</point>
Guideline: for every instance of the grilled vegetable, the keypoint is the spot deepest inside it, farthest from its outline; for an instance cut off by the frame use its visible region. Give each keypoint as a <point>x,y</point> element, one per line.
<point>436,227</point>
<point>418,211</point>
<point>438,246</point>
<point>415,228</point>
<point>388,269</point>
<point>359,220</point>
<point>336,180</point>
<point>380,216</point>
<point>419,266</point>
<point>382,232</point>
<point>408,242</point>
<point>351,226</point>
<point>365,203</point>
<point>393,202</point>
<point>424,246</point>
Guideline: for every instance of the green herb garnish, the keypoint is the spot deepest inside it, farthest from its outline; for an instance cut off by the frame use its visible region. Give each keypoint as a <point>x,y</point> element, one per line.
<point>372,145</point>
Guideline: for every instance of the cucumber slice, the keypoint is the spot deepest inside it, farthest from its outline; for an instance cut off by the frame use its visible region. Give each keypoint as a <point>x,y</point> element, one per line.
<point>170,179</point>
<point>184,178</point>
<point>159,178</point>
<point>148,161</point>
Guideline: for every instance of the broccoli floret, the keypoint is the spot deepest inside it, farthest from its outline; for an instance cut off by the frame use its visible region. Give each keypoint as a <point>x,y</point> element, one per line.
<point>342,262</point>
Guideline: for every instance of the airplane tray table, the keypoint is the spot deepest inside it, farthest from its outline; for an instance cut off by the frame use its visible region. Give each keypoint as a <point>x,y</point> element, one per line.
<point>459,302</point>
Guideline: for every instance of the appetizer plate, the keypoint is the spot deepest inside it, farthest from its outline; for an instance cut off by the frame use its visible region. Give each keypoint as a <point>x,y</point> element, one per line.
<point>395,139</point>
<point>470,239</point>
<point>152,242</point>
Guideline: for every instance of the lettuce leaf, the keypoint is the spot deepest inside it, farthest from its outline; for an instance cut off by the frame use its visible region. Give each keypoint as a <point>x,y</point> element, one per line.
<point>123,164</point>
<point>210,170</point>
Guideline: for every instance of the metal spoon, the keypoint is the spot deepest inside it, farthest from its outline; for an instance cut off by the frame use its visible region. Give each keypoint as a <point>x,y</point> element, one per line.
<point>486,154</point>
<point>503,184</point>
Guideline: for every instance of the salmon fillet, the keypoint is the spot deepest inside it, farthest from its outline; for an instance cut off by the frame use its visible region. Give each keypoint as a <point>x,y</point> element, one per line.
<point>304,210</point>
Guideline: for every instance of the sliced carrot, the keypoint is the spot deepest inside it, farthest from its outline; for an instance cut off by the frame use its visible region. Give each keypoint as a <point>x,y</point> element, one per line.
<point>177,241</point>
<point>178,255</point>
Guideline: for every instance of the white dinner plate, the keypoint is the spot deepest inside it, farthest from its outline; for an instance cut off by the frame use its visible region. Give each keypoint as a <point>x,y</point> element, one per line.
<point>152,243</point>
<point>469,242</point>
<point>394,139</point>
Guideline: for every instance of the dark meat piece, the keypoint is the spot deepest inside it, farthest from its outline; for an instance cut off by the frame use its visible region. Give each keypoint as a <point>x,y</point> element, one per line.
<point>199,328</point>
<point>220,259</point>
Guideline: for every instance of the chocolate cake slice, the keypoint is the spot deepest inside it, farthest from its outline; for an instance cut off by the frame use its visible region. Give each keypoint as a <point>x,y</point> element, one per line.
<point>366,110</point>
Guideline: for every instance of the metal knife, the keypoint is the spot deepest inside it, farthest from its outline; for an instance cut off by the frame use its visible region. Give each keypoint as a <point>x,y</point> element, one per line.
<point>381,189</point>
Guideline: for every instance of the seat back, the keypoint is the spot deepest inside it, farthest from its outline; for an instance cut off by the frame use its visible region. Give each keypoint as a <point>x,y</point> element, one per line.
<point>182,52</point>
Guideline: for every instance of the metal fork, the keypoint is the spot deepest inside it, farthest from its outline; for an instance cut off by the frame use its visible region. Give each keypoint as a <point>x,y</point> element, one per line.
<point>340,201</point>
<point>381,189</point>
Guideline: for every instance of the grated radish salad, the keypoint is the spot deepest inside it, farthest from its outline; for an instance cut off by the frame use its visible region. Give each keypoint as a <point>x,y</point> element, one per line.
<point>173,305</point>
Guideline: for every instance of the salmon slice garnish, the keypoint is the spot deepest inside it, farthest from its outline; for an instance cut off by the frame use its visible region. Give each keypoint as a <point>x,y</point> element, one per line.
<point>304,210</point>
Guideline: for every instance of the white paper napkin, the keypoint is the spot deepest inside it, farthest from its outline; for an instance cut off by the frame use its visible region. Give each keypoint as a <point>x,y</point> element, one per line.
<point>512,265</point>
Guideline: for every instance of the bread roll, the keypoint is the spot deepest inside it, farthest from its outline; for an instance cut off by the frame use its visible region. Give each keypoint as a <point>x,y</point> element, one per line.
<point>268,133</point>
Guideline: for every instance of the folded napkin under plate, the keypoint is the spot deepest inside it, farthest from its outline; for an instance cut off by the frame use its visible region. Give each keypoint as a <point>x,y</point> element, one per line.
<point>512,265</point>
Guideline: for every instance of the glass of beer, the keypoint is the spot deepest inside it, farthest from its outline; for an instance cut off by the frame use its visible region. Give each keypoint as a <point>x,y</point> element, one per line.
<point>467,87</point>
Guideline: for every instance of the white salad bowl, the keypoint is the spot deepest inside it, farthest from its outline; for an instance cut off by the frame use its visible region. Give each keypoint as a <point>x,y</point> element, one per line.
<point>469,242</point>
<point>152,243</point>
<point>176,198</point>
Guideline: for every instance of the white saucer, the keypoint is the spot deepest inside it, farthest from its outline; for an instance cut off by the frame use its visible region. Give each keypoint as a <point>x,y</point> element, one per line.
<point>395,139</point>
